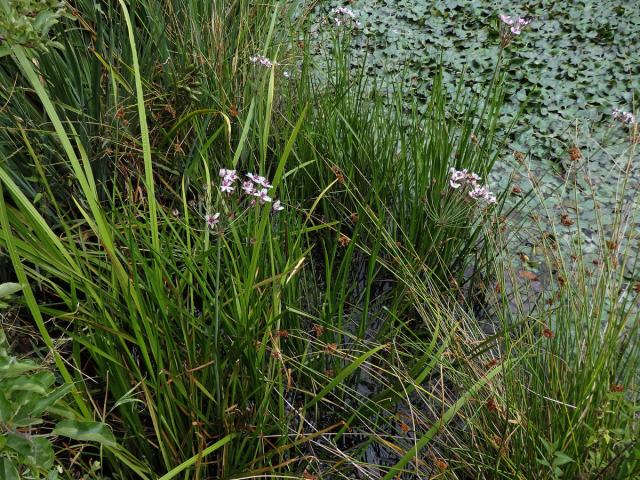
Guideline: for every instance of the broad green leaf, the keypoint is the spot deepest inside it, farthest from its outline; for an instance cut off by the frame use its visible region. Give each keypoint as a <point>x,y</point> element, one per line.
<point>41,455</point>
<point>39,383</point>
<point>562,458</point>
<point>24,419</point>
<point>86,432</point>
<point>34,451</point>
<point>11,367</point>
<point>9,288</point>
<point>6,410</point>
<point>8,470</point>
<point>43,404</point>
<point>19,444</point>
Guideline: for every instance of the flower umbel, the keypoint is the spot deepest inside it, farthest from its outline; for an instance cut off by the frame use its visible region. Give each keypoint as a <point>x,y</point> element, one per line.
<point>257,187</point>
<point>230,174</point>
<point>511,27</point>
<point>248,187</point>
<point>515,24</point>
<point>228,179</point>
<point>482,193</point>
<point>344,16</point>
<point>470,181</point>
<point>227,186</point>
<point>262,61</point>
<point>627,118</point>
<point>457,177</point>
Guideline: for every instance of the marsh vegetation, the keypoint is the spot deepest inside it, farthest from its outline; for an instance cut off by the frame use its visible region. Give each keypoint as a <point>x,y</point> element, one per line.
<point>235,243</point>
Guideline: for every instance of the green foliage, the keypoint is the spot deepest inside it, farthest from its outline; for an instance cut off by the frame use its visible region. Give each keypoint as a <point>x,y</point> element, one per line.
<point>553,459</point>
<point>6,290</point>
<point>27,23</point>
<point>190,322</point>
<point>29,401</point>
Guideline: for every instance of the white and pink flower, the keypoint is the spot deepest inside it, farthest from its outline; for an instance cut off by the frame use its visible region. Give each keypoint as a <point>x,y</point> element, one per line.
<point>515,24</point>
<point>470,181</point>
<point>482,193</point>
<point>259,180</point>
<point>627,118</point>
<point>227,186</point>
<point>262,61</point>
<point>345,16</point>
<point>248,187</point>
<point>263,195</point>
<point>212,220</point>
<point>228,174</point>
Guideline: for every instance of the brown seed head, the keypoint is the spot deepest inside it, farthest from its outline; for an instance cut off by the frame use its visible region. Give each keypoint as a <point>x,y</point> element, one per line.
<point>565,219</point>
<point>575,153</point>
<point>491,363</point>
<point>343,240</point>
<point>330,348</point>
<point>338,173</point>
<point>441,464</point>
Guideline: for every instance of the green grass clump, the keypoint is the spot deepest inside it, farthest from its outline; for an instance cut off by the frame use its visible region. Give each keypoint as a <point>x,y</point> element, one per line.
<point>567,407</point>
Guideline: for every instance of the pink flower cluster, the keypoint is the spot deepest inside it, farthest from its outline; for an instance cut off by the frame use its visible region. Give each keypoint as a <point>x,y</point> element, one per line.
<point>256,186</point>
<point>229,177</point>
<point>262,61</point>
<point>624,117</point>
<point>470,181</point>
<point>515,24</point>
<point>463,177</point>
<point>344,16</point>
